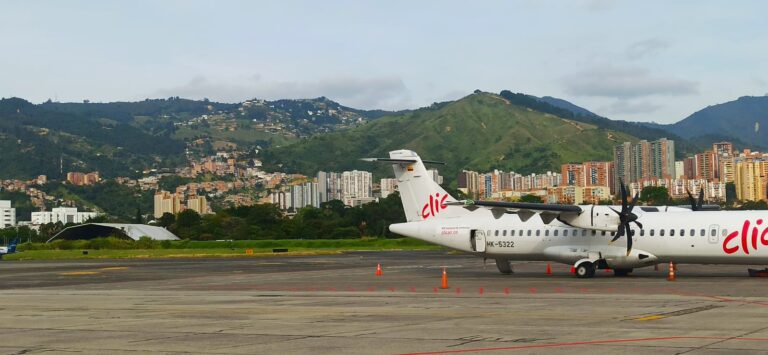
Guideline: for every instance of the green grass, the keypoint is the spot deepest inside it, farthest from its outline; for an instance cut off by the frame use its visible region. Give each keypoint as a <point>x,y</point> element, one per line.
<point>229,249</point>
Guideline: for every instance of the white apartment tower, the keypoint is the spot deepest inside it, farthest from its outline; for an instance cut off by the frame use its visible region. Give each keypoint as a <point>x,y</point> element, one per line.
<point>7,214</point>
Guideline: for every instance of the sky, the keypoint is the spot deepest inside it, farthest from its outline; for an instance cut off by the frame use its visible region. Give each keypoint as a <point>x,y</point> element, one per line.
<point>647,61</point>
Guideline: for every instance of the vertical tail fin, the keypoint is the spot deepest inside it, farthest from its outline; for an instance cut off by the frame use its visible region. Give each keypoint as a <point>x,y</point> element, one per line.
<point>422,197</point>
<point>12,246</point>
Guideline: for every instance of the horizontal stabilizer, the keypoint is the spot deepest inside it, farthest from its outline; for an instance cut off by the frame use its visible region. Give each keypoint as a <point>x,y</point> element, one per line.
<point>400,161</point>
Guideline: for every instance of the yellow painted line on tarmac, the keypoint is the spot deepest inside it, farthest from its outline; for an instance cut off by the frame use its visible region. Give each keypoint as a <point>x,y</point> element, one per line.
<point>114,268</point>
<point>79,273</point>
<point>653,317</point>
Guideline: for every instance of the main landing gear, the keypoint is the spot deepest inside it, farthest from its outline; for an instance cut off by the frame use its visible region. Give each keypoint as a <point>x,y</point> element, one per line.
<point>504,266</point>
<point>587,269</point>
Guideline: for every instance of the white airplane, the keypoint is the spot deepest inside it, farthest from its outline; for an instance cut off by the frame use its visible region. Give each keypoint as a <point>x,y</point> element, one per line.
<point>582,236</point>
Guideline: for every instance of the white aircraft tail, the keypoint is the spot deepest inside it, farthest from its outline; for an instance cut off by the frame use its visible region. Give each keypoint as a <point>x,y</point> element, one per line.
<point>422,197</point>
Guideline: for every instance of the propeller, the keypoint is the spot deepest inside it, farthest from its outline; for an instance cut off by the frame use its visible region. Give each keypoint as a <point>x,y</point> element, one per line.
<point>696,205</point>
<point>625,217</point>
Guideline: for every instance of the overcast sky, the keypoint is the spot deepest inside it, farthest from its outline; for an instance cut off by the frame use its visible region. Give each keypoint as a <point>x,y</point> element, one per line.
<point>640,60</point>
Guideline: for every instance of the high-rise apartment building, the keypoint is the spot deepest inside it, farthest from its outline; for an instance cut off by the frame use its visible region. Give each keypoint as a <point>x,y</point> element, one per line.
<point>356,184</point>
<point>166,202</point>
<point>644,160</point>
<point>7,214</point>
<point>750,180</point>
<point>388,187</point>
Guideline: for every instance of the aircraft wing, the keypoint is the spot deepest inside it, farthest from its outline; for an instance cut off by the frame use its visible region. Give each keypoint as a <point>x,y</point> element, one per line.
<point>525,210</point>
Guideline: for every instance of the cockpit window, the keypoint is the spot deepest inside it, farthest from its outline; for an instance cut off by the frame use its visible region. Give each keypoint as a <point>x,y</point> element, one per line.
<point>649,209</point>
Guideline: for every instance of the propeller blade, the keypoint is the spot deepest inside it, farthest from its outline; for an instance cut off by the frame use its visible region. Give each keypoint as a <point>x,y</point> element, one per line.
<point>629,239</point>
<point>691,200</point>
<point>619,233</point>
<point>623,196</point>
<point>617,212</point>
<point>701,198</point>
<point>638,224</point>
<point>634,201</point>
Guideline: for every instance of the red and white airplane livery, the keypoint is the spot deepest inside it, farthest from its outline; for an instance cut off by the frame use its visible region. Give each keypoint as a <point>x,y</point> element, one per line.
<point>582,236</point>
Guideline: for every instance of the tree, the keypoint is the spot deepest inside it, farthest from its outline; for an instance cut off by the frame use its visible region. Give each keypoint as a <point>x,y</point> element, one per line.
<point>139,219</point>
<point>655,195</point>
<point>167,219</point>
<point>531,198</point>
<point>188,219</point>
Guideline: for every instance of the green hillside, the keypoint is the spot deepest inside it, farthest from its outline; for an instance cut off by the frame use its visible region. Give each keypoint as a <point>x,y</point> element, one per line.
<point>481,131</point>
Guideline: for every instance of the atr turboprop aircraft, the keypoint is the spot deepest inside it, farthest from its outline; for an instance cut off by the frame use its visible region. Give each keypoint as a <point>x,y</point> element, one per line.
<point>582,236</point>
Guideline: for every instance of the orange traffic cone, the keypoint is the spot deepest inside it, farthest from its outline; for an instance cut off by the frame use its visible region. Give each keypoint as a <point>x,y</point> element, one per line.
<point>671,276</point>
<point>444,283</point>
<point>549,269</point>
<point>378,270</point>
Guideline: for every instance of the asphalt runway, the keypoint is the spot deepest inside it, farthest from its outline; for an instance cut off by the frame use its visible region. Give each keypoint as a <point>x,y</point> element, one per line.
<point>335,304</point>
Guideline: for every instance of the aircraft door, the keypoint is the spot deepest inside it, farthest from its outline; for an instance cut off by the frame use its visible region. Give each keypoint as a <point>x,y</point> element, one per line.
<point>477,240</point>
<point>712,233</point>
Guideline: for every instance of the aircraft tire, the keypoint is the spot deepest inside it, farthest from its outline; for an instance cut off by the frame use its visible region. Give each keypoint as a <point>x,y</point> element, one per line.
<point>585,270</point>
<point>504,266</point>
<point>622,272</point>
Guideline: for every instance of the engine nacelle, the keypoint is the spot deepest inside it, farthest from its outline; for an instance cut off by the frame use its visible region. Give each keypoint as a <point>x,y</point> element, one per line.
<point>593,217</point>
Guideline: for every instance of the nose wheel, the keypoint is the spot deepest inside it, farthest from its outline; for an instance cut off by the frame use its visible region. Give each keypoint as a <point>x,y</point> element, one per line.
<point>585,270</point>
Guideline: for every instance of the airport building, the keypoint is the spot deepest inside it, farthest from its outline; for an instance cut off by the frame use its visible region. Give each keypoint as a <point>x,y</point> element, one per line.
<point>61,214</point>
<point>120,230</point>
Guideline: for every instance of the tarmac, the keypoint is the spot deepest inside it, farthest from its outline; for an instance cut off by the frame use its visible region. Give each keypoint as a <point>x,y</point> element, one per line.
<point>335,304</point>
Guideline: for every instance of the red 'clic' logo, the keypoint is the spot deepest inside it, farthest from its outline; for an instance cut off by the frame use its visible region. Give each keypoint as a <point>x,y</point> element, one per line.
<point>434,206</point>
<point>746,238</point>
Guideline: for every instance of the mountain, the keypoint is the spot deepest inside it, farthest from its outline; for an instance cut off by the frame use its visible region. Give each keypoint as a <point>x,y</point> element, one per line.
<point>120,138</point>
<point>42,139</point>
<point>481,131</point>
<point>578,110</point>
<point>743,120</point>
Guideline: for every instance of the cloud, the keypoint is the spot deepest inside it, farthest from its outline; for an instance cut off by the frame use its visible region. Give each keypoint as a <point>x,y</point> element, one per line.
<point>598,5</point>
<point>624,107</point>
<point>367,93</point>
<point>645,48</point>
<point>625,83</point>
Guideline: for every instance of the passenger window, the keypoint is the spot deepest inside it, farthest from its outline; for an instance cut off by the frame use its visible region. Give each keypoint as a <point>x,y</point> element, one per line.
<point>661,232</point>
<point>642,232</point>
<point>521,233</point>
<point>504,233</point>
<point>554,232</point>
<point>693,232</point>
<point>671,232</point>
<point>713,232</point>
<point>594,232</point>
<point>682,232</point>
<point>512,233</point>
<point>565,232</point>
<point>602,233</point>
<point>529,233</point>
<point>537,232</point>
<point>724,233</point>
<point>546,233</point>
<point>652,232</point>
<point>702,232</point>
<point>497,233</point>
<point>583,232</point>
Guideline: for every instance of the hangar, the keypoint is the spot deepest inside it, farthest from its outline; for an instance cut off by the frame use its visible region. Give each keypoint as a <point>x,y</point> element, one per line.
<point>127,231</point>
